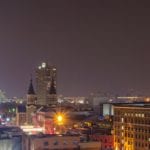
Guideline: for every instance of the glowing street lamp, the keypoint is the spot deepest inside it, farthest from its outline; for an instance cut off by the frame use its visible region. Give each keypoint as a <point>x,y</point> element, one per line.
<point>60,119</point>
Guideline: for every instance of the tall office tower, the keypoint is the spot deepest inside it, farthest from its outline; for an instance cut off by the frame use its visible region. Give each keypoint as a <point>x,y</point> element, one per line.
<point>132,126</point>
<point>45,80</point>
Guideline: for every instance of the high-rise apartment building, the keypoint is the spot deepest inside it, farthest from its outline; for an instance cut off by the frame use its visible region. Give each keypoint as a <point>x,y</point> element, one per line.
<point>46,84</point>
<point>132,126</point>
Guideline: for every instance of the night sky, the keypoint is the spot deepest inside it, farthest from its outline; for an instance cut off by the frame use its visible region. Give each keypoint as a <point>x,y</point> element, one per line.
<point>96,45</point>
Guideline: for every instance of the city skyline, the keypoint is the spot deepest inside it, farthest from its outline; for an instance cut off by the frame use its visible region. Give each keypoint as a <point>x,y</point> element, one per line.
<point>95,46</point>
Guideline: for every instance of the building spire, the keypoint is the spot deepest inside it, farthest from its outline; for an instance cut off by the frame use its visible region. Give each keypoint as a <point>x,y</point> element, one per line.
<point>31,89</point>
<point>52,89</point>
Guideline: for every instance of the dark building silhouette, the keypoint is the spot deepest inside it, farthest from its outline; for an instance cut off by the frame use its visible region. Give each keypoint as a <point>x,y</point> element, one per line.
<point>31,103</point>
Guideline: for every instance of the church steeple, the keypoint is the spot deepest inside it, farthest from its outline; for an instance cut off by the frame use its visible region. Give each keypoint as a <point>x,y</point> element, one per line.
<point>31,103</point>
<point>52,89</point>
<point>31,89</point>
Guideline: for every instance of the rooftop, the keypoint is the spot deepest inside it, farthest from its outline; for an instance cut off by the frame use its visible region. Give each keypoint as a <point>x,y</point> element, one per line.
<point>138,104</point>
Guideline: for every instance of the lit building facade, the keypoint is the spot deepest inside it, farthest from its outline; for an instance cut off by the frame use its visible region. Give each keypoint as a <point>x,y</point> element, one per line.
<point>46,85</point>
<point>132,127</point>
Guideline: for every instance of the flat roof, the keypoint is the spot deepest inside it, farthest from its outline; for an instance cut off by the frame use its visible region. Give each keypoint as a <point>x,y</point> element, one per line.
<point>138,105</point>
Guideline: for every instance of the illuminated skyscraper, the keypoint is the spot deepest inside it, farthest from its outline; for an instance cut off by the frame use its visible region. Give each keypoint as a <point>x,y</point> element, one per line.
<point>46,84</point>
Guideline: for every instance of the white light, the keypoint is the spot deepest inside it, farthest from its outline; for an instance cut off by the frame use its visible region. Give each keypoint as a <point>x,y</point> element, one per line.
<point>26,127</point>
<point>39,67</point>
<point>43,65</point>
<point>31,129</point>
<point>7,119</point>
<point>21,102</point>
<point>60,100</point>
<point>34,129</point>
<point>81,101</point>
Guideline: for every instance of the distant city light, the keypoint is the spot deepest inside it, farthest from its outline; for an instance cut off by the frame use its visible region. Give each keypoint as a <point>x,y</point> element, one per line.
<point>128,97</point>
<point>60,100</point>
<point>43,65</point>
<point>31,129</point>
<point>3,123</point>
<point>81,101</point>
<point>21,102</point>
<point>7,119</point>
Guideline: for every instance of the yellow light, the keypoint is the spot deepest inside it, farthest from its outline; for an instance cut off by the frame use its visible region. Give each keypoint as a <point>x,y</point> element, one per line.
<point>59,118</point>
<point>116,148</point>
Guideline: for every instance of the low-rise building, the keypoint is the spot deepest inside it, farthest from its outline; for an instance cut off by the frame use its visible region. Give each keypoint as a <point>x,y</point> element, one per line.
<point>59,142</point>
<point>12,138</point>
<point>107,141</point>
<point>51,142</point>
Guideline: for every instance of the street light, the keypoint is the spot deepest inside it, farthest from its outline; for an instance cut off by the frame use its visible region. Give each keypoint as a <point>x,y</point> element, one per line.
<point>60,119</point>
